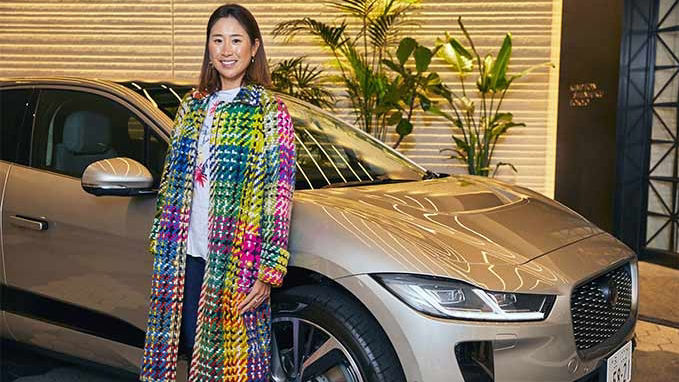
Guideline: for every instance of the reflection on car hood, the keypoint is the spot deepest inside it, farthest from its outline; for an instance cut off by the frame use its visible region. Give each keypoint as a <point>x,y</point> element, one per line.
<point>460,219</point>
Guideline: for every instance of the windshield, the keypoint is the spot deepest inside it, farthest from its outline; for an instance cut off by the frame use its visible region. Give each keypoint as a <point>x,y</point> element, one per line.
<point>330,153</point>
<point>165,96</point>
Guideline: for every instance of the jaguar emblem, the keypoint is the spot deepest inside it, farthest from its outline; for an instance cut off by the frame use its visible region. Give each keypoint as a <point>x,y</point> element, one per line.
<point>609,289</point>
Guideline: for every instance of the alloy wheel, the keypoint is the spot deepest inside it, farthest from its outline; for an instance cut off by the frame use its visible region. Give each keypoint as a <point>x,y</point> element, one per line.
<point>305,352</point>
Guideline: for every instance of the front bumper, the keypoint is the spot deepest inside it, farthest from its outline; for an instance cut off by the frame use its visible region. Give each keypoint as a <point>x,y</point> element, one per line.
<point>521,351</point>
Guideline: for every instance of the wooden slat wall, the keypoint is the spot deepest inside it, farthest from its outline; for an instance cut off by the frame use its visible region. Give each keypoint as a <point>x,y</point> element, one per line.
<point>163,39</point>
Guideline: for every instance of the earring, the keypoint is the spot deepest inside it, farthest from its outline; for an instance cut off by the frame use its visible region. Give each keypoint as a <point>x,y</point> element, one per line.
<point>252,60</point>
<point>209,63</point>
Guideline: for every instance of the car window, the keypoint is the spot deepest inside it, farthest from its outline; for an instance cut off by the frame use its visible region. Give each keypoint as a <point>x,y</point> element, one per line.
<point>330,152</point>
<point>167,98</point>
<point>15,125</point>
<point>164,96</point>
<point>74,129</point>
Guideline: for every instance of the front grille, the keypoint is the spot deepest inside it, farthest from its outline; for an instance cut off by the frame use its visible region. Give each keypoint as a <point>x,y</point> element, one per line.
<point>601,307</point>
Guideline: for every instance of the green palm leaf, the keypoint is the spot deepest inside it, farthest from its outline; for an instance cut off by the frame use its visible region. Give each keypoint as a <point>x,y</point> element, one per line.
<point>298,79</point>
<point>385,28</point>
<point>380,30</point>
<point>357,8</point>
<point>331,36</point>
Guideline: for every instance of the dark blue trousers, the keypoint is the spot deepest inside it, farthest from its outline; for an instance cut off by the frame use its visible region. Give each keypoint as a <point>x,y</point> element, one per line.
<point>193,280</point>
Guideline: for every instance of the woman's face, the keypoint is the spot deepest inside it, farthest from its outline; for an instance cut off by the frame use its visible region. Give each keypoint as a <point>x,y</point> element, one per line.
<point>230,51</point>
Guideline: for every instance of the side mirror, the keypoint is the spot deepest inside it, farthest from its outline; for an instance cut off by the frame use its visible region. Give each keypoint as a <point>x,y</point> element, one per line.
<point>117,177</point>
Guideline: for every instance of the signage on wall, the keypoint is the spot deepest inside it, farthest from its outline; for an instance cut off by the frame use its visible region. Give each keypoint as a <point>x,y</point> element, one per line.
<point>582,94</point>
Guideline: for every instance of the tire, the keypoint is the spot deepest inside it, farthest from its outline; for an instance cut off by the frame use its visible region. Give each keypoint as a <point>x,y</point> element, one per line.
<point>321,318</point>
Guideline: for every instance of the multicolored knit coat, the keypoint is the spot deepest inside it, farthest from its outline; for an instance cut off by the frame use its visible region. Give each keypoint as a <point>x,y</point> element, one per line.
<point>252,167</point>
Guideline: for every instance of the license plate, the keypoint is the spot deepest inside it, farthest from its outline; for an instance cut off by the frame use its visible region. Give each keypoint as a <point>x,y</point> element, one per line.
<point>619,365</point>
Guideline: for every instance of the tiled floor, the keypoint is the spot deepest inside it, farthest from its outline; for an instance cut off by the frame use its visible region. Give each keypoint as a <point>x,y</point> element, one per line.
<point>656,358</point>
<point>658,290</point>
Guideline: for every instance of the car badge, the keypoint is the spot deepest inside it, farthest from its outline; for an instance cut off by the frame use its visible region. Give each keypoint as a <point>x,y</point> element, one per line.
<point>609,289</point>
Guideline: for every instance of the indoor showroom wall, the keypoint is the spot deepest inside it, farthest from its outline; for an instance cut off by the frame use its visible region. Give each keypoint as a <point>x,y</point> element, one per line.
<point>664,155</point>
<point>163,40</point>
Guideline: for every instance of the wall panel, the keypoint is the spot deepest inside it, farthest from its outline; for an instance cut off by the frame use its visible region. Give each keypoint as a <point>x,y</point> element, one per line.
<point>163,39</point>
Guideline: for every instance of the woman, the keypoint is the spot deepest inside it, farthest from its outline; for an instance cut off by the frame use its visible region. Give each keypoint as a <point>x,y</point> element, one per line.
<point>219,237</point>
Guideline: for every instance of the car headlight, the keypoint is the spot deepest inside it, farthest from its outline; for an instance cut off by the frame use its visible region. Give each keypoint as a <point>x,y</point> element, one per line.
<point>447,298</point>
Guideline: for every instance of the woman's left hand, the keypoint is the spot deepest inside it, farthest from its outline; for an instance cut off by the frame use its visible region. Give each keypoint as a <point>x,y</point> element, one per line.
<point>258,294</point>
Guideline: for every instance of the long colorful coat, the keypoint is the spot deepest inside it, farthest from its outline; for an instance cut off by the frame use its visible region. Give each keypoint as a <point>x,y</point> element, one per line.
<point>252,171</point>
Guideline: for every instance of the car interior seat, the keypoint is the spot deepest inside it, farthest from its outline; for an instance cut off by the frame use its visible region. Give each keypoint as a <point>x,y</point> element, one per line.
<point>86,139</point>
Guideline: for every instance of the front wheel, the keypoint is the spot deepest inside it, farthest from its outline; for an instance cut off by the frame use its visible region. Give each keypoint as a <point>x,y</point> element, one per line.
<point>323,335</point>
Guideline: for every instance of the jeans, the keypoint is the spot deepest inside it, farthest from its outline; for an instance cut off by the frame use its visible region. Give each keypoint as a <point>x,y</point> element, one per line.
<point>195,269</point>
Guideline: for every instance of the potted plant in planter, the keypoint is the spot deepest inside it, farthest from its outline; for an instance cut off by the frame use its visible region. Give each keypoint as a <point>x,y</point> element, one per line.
<point>481,125</point>
<point>358,55</point>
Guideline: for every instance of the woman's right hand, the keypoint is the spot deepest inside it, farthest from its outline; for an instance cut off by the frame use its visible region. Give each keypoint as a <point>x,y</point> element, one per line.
<point>259,293</point>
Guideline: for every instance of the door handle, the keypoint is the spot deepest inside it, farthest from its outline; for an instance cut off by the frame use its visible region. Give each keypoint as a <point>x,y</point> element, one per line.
<point>28,222</point>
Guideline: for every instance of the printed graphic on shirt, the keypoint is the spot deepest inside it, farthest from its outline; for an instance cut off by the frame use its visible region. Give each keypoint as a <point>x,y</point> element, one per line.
<point>213,108</point>
<point>199,175</point>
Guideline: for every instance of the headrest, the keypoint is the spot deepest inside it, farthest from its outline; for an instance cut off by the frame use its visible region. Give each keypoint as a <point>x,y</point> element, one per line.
<point>87,132</point>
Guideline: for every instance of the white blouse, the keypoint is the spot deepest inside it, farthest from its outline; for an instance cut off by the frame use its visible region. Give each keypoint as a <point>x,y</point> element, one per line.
<point>200,203</point>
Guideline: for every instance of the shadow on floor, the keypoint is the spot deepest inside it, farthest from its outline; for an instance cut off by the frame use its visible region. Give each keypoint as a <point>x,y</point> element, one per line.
<point>658,294</point>
<point>655,366</point>
<point>21,364</point>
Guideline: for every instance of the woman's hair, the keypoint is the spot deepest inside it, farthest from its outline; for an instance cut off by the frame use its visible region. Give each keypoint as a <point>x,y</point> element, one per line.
<point>257,72</point>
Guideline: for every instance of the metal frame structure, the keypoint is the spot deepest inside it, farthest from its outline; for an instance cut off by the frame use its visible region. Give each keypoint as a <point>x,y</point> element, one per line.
<point>642,175</point>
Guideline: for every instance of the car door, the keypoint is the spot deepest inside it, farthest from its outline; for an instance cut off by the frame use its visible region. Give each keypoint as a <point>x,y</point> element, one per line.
<point>16,119</point>
<point>77,265</point>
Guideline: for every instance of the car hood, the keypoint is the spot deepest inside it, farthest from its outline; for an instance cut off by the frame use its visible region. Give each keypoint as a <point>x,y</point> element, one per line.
<point>424,226</point>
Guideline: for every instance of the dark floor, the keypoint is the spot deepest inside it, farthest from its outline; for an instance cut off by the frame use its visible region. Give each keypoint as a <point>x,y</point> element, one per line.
<point>16,363</point>
<point>20,364</point>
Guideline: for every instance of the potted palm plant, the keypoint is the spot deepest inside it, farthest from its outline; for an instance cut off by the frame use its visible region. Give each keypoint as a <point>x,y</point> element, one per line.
<point>480,123</point>
<point>359,57</point>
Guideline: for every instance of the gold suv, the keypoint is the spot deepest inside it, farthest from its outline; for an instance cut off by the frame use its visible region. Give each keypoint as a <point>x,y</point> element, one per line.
<point>396,274</point>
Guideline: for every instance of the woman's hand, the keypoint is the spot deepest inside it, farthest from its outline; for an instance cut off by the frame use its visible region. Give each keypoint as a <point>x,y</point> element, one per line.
<point>258,294</point>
